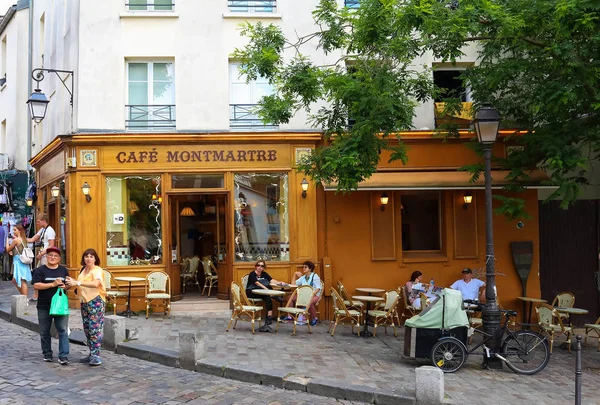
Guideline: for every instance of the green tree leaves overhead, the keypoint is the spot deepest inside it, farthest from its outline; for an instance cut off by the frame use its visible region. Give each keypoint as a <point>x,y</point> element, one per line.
<point>538,64</point>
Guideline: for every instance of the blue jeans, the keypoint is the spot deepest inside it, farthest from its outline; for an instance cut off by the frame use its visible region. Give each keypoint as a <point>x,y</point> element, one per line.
<point>61,323</point>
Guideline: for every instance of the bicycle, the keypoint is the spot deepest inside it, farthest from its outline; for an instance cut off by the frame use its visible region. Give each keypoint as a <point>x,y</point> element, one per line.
<point>523,351</point>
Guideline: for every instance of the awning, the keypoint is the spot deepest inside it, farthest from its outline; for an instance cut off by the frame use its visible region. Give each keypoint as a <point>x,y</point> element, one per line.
<point>438,180</point>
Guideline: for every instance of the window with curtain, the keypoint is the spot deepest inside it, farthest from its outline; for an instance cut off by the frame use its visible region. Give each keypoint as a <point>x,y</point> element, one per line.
<point>133,221</point>
<point>244,96</point>
<point>261,217</point>
<point>151,95</point>
<point>150,5</point>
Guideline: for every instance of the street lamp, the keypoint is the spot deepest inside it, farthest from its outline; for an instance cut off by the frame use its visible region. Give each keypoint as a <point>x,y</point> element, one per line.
<point>487,122</point>
<point>38,102</point>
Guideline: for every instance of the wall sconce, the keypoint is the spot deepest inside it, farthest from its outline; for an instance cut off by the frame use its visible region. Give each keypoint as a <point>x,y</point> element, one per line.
<point>384,201</point>
<point>86,188</point>
<point>468,199</point>
<point>304,185</point>
<point>156,199</point>
<point>55,191</point>
<point>29,202</point>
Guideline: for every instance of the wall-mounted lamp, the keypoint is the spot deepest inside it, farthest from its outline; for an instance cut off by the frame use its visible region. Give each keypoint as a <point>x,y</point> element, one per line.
<point>29,202</point>
<point>468,199</point>
<point>304,185</point>
<point>86,188</point>
<point>384,201</point>
<point>156,199</point>
<point>38,102</point>
<point>55,191</point>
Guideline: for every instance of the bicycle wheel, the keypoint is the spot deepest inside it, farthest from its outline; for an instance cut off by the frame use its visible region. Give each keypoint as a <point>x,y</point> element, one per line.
<point>526,352</point>
<point>448,354</point>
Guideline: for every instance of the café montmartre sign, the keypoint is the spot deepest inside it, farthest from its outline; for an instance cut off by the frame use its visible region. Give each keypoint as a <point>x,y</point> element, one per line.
<point>206,155</point>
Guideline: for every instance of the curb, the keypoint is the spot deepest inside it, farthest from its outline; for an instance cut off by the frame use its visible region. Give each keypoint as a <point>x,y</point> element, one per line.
<point>275,378</point>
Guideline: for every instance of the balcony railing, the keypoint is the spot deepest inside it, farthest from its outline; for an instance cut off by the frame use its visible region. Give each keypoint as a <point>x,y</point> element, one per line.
<point>145,6</point>
<point>252,6</point>
<point>150,117</point>
<point>462,119</point>
<point>352,3</point>
<point>242,116</point>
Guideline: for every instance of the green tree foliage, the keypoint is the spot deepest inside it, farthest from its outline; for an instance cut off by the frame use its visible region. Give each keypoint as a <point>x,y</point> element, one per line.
<point>538,64</point>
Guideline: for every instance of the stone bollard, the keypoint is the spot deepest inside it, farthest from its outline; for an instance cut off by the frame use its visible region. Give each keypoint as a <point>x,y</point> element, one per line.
<point>18,306</point>
<point>114,331</point>
<point>191,349</point>
<point>429,385</point>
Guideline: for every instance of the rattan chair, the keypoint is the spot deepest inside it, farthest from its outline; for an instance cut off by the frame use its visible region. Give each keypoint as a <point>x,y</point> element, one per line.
<point>252,301</point>
<point>564,299</point>
<point>158,288</point>
<point>242,308</point>
<point>347,300</point>
<point>595,328</point>
<point>551,323</point>
<point>210,275</point>
<point>113,293</point>
<point>386,315</point>
<point>342,313</point>
<point>408,310</point>
<point>303,295</point>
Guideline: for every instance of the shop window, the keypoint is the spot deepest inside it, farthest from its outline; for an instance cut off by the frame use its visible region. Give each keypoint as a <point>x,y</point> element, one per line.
<point>133,221</point>
<point>151,96</point>
<point>149,5</point>
<point>421,221</point>
<point>244,98</point>
<point>261,217</point>
<point>206,180</point>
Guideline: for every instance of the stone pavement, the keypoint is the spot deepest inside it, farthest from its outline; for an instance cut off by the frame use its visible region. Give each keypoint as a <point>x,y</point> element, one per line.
<point>376,363</point>
<point>26,379</point>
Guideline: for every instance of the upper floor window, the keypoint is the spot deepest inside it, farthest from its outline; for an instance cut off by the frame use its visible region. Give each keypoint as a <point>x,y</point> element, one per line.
<point>150,5</point>
<point>252,6</point>
<point>451,85</point>
<point>421,220</point>
<point>244,98</point>
<point>151,96</point>
<point>352,3</point>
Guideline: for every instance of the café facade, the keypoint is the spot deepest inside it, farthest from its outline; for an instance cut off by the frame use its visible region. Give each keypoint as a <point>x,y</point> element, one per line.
<point>152,199</point>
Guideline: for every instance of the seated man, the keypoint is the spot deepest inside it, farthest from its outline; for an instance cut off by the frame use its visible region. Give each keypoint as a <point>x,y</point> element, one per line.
<point>309,277</point>
<point>468,286</point>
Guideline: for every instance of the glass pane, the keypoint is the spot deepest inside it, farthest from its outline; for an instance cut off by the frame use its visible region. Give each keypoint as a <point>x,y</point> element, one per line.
<point>420,213</point>
<point>138,93</point>
<point>138,72</point>
<point>133,228</point>
<point>163,5</point>
<point>137,4</point>
<point>162,74</point>
<point>198,181</point>
<point>261,217</point>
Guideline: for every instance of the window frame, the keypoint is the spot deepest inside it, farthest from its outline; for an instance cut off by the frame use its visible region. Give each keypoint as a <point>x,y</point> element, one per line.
<point>440,227</point>
<point>149,6</point>
<point>252,86</point>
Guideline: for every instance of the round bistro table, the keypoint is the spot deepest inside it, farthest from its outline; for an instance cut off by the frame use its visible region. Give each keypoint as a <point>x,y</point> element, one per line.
<point>271,293</point>
<point>128,311</point>
<point>368,299</point>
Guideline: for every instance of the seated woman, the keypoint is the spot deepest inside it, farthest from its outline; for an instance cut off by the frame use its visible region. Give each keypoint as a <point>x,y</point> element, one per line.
<point>413,295</point>
<point>309,277</point>
<point>259,278</point>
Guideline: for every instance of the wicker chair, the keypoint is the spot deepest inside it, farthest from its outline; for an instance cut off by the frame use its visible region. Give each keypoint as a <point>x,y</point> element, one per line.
<point>342,313</point>
<point>385,316</point>
<point>595,328</point>
<point>347,300</point>
<point>303,295</point>
<point>564,299</point>
<point>158,288</point>
<point>550,322</point>
<point>210,275</point>
<point>113,292</point>
<point>242,308</point>
<point>252,301</point>
<point>408,311</point>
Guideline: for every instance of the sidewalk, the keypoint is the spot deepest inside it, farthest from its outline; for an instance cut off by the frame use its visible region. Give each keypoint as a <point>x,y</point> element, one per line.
<point>347,361</point>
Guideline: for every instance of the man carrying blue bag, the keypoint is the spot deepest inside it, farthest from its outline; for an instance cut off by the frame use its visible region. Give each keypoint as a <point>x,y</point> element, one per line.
<point>48,279</point>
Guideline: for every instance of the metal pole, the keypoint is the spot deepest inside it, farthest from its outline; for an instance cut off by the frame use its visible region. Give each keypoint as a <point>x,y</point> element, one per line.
<point>578,371</point>
<point>490,313</point>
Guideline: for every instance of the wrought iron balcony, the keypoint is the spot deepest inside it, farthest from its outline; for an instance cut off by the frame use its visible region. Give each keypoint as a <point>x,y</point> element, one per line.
<point>252,6</point>
<point>150,117</point>
<point>352,3</point>
<point>153,6</point>
<point>242,116</point>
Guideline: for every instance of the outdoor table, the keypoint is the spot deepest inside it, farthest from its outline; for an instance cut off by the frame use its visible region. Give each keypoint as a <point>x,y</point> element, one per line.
<point>284,286</point>
<point>531,302</point>
<point>272,293</point>
<point>370,291</point>
<point>572,311</point>
<point>368,299</point>
<point>128,311</point>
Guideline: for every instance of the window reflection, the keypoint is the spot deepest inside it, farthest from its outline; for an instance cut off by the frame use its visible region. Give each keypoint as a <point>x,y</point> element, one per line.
<point>133,228</point>
<point>261,217</point>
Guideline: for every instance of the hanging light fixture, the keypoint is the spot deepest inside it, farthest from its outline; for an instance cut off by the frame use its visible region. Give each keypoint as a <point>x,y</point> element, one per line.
<point>187,212</point>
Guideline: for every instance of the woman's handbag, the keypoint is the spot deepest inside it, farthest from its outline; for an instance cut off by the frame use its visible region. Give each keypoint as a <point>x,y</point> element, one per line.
<point>27,255</point>
<point>60,303</point>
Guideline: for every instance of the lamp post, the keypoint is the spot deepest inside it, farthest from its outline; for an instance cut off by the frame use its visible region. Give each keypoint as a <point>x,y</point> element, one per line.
<point>38,102</point>
<point>487,122</point>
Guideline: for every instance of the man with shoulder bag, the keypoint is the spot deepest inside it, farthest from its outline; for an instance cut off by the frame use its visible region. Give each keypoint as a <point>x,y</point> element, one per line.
<point>42,240</point>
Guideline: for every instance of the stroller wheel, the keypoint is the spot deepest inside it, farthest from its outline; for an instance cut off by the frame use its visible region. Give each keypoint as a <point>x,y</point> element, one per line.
<point>448,354</point>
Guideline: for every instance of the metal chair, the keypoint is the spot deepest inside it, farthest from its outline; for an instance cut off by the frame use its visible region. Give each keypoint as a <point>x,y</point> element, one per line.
<point>112,290</point>
<point>242,308</point>
<point>158,288</point>
<point>210,279</point>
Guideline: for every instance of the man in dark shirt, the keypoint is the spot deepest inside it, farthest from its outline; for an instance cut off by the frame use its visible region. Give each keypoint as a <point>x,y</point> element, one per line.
<point>47,279</point>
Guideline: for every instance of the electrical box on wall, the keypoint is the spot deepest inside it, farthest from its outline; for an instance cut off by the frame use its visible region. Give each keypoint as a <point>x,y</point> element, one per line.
<point>327,276</point>
<point>71,162</point>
